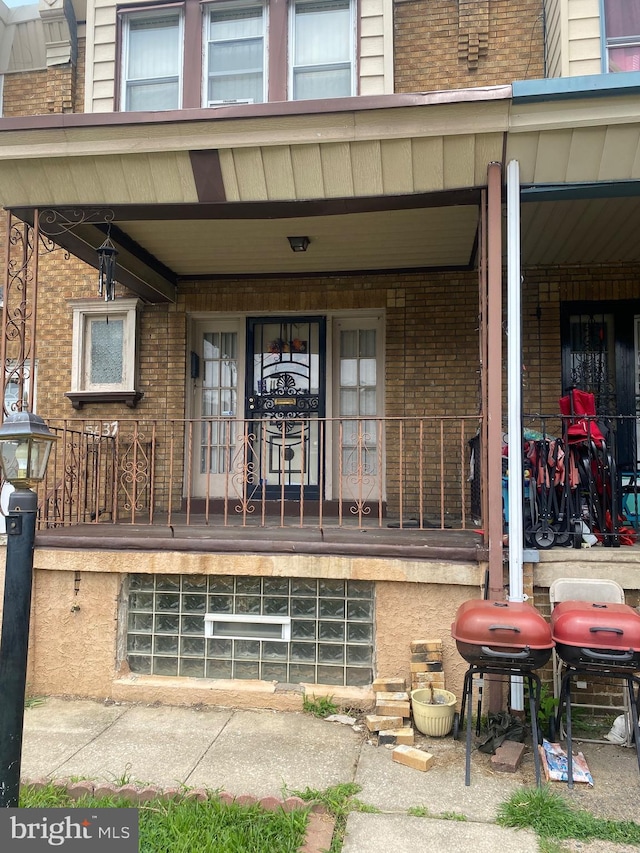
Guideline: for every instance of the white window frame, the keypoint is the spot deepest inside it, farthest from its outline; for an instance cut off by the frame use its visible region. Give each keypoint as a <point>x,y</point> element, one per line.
<point>206,41</point>
<point>352,321</point>
<point>211,619</point>
<point>153,12</point>
<point>83,312</point>
<point>291,51</point>
<point>614,42</point>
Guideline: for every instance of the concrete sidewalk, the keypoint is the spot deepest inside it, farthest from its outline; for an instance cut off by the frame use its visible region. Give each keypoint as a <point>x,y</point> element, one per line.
<point>272,754</point>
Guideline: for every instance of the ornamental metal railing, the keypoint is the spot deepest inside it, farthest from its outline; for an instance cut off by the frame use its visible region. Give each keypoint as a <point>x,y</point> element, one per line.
<point>404,472</point>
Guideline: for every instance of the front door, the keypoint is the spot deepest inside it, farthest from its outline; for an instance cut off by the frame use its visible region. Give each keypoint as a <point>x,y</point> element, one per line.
<point>598,356</point>
<point>284,398</point>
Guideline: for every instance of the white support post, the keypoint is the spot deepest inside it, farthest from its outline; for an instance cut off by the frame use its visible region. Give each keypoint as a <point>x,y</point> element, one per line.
<point>514,411</point>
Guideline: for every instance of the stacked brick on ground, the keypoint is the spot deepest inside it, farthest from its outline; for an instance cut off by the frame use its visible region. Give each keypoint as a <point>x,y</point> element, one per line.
<point>392,712</point>
<point>426,664</point>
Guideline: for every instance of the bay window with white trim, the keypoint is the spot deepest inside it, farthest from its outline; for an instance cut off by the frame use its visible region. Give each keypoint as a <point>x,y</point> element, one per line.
<point>152,59</point>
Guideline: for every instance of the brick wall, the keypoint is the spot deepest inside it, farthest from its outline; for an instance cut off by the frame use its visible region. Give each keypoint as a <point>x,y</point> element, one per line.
<point>79,81</point>
<point>59,89</point>
<point>453,44</point>
<point>25,94</point>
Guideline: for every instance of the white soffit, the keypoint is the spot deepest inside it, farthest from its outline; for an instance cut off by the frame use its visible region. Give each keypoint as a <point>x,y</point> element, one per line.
<point>397,239</point>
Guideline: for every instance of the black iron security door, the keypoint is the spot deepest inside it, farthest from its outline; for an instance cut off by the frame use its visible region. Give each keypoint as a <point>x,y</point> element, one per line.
<point>284,400</point>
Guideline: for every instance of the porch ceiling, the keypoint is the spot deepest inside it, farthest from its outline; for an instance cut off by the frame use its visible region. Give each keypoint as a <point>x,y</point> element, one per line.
<point>391,184</point>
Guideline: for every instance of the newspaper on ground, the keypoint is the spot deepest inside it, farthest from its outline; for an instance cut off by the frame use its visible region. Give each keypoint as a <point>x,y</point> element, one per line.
<point>555,760</point>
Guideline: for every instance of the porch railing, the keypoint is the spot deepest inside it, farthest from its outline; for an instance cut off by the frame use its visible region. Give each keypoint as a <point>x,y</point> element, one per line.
<point>405,472</point>
<point>582,480</point>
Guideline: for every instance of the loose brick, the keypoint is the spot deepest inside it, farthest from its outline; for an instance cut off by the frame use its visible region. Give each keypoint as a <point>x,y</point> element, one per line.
<point>426,666</point>
<point>391,708</point>
<point>507,757</point>
<point>420,657</point>
<point>389,685</point>
<point>438,685</point>
<point>375,722</point>
<point>404,735</point>
<point>397,696</point>
<point>428,677</point>
<point>422,646</point>
<point>412,757</point>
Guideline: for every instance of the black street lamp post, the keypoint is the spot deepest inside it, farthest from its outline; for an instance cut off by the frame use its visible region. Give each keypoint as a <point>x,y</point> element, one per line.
<point>25,444</point>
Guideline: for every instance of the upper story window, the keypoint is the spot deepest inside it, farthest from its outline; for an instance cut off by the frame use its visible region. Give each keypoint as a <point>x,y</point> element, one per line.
<point>622,27</point>
<point>235,54</point>
<point>322,49</point>
<point>189,54</point>
<point>152,60</point>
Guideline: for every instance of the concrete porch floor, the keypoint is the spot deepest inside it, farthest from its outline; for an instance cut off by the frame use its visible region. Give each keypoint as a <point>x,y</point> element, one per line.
<point>408,542</point>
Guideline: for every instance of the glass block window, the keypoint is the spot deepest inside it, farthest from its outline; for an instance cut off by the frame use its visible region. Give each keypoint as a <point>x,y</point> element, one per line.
<point>331,628</point>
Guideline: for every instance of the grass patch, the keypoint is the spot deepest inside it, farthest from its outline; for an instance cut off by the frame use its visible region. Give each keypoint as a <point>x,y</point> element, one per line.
<point>34,701</point>
<point>553,818</point>
<point>189,826</point>
<point>423,811</point>
<point>339,800</point>
<point>322,706</point>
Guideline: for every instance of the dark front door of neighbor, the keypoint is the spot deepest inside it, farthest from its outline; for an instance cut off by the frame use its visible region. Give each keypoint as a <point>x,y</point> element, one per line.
<point>599,355</point>
<point>284,399</point>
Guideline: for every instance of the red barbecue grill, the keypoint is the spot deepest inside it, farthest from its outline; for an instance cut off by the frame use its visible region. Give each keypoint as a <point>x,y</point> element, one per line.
<point>600,640</point>
<point>504,638</point>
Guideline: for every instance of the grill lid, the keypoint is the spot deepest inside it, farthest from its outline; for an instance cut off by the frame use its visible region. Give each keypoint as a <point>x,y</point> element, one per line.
<point>506,624</point>
<point>596,625</point>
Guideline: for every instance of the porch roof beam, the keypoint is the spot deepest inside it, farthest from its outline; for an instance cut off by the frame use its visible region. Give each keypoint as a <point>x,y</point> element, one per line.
<point>137,269</point>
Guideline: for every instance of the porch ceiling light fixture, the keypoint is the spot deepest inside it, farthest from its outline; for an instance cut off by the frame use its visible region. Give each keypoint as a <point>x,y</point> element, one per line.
<point>107,254</point>
<point>299,244</point>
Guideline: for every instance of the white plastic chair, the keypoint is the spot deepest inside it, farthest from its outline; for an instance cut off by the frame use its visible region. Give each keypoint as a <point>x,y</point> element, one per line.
<point>592,590</point>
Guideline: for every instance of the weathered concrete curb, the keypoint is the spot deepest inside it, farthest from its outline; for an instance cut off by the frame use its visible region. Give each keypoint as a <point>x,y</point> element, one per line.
<point>319,828</point>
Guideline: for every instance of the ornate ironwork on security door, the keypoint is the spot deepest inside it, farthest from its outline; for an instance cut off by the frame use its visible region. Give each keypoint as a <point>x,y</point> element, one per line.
<point>285,397</point>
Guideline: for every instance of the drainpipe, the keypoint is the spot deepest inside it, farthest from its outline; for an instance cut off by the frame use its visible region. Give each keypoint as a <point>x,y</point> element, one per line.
<point>494,379</point>
<point>514,406</point>
<point>493,522</point>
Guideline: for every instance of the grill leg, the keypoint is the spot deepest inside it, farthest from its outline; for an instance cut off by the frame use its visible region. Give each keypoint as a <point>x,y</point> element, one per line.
<point>634,698</point>
<point>535,689</point>
<point>467,693</point>
<point>567,689</point>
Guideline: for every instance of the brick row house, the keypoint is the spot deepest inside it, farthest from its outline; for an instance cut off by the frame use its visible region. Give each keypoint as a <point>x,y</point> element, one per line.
<point>282,433</point>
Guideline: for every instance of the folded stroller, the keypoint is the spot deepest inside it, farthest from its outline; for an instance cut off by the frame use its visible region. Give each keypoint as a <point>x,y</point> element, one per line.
<point>591,478</point>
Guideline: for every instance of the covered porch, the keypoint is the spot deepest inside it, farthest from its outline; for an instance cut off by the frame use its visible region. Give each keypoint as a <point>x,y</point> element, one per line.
<point>397,204</point>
